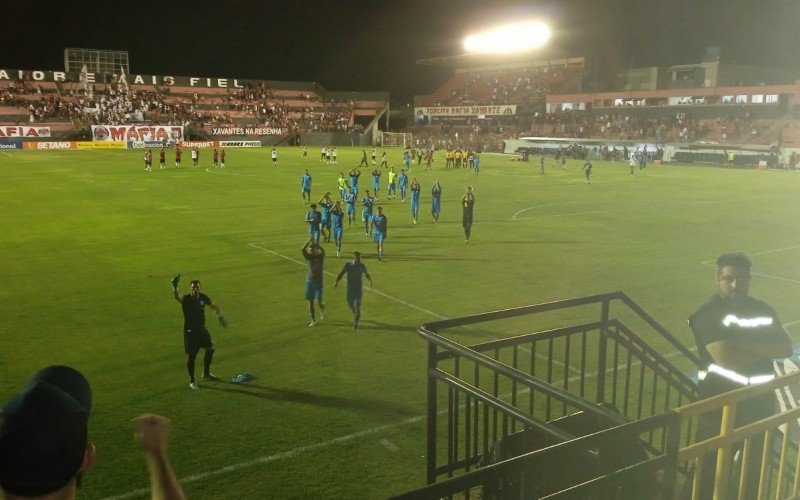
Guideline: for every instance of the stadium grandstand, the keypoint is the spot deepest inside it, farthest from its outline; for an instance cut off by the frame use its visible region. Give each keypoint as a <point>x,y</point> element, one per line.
<point>694,111</point>
<point>65,104</point>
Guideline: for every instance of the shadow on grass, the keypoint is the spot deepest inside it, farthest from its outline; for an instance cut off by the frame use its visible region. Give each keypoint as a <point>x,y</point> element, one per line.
<point>372,406</point>
<point>375,325</point>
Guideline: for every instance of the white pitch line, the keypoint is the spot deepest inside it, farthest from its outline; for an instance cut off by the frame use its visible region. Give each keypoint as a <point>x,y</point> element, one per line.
<point>388,445</point>
<point>390,297</point>
<point>383,294</point>
<point>6,153</point>
<point>281,455</point>
<point>776,277</point>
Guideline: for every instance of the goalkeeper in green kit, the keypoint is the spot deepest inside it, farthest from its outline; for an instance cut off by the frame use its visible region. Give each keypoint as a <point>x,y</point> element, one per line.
<point>195,334</point>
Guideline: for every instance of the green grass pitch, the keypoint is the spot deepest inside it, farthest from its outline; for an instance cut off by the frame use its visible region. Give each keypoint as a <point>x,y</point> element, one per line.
<point>90,241</point>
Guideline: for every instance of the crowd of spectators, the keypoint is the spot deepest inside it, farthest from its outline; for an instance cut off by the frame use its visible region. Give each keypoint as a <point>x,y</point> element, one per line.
<point>680,127</point>
<point>40,105</point>
<point>117,103</point>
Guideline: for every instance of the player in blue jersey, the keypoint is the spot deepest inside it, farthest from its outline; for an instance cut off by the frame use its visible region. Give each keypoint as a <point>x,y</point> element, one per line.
<point>355,286</point>
<point>350,201</point>
<point>402,183</point>
<point>415,189</point>
<point>355,173</point>
<point>315,255</point>
<point>476,164</point>
<point>366,212</point>
<point>305,187</point>
<point>313,219</point>
<point>337,222</point>
<point>326,203</point>
<point>380,225</point>
<point>376,181</point>
<point>436,201</point>
<point>406,160</point>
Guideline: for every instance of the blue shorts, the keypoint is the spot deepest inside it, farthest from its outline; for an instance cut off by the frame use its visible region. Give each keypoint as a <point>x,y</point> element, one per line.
<point>415,206</point>
<point>351,209</point>
<point>314,233</point>
<point>392,187</point>
<point>354,297</point>
<point>378,236</point>
<point>366,215</point>
<point>313,290</point>
<point>337,232</point>
<point>376,186</point>
<point>436,206</point>
<point>326,224</point>
<point>307,190</point>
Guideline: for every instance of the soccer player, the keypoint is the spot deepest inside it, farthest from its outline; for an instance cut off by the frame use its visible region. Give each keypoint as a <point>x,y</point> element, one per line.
<point>355,286</point>
<point>374,155</point>
<point>323,153</point>
<point>327,156</point>
<point>315,255</point>
<point>335,156</point>
<point>355,173</point>
<point>337,222</point>
<point>436,201</point>
<point>384,162</point>
<point>178,153</point>
<point>467,203</point>
<point>222,157</point>
<point>216,157</point>
<point>195,333</point>
<point>350,200</point>
<point>313,219</point>
<point>415,189</point>
<point>406,159</point>
<point>305,187</point>
<point>366,212</point>
<point>363,158</point>
<point>274,157</point>
<point>326,203</point>
<point>305,151</point>
<point>148,160</point>
<point>376,181</point>
<point>379,226</point>
<point>162,159</point>
<point>476,164</point>
<point>392,185</point>
<point>541,164</point>
<point>402,182</point>
<point>342,183</point>
<point>632,162</point>
<point>587,171</point>
<point>195,156</point>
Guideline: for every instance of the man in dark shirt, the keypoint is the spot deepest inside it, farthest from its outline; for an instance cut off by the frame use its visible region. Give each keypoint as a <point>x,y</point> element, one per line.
<point>467,203</point>
<point>738,337</point>
<point>315,255</point>
<point>195,333</point>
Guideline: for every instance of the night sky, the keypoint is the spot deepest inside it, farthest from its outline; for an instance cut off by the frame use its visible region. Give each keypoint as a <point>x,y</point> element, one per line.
<point>373,45</point>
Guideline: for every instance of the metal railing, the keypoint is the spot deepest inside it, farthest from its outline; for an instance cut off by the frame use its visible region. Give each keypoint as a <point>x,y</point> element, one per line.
<point>547,386</point>
<point>586,467</point>
<point>755,460</point>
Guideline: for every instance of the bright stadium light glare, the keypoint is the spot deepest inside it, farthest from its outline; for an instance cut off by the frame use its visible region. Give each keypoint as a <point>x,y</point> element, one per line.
<point>509,38</point>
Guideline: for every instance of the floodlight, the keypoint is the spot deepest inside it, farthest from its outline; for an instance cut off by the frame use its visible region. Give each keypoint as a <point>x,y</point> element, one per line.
<point>517,37</point>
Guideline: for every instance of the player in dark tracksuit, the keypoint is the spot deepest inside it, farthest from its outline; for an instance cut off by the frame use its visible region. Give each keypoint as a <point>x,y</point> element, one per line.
<point>195,333</point>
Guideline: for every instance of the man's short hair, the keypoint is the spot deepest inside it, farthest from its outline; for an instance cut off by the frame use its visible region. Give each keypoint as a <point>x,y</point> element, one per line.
<point>734,259</point>
<point>194,282</point>
<point>44,432</point>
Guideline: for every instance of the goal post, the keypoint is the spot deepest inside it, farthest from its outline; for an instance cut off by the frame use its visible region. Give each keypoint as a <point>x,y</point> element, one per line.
<point>397,139</point>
